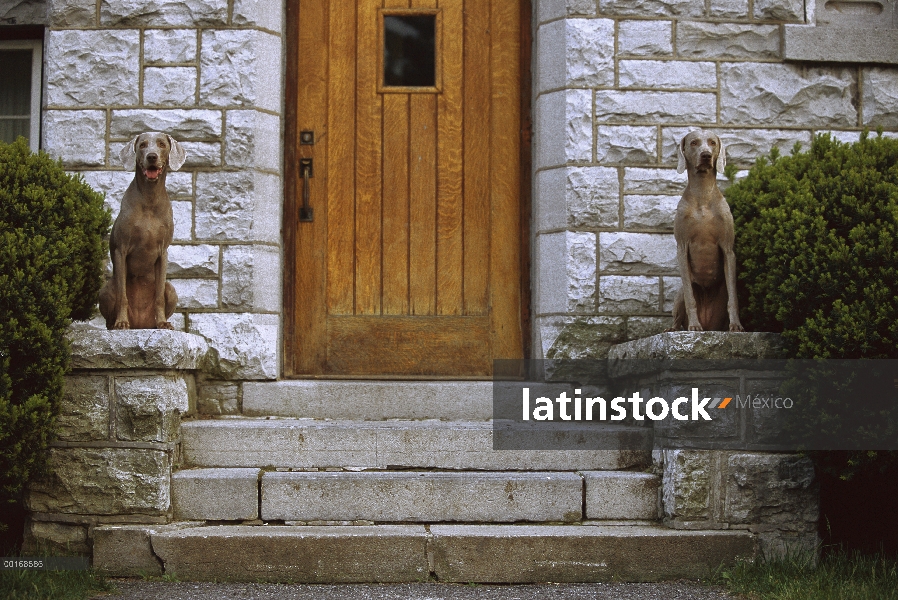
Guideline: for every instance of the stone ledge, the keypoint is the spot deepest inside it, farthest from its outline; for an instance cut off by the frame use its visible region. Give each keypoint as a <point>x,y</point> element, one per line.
<point>711,345</point>
<point>150,349</point>
<point>840,44</point>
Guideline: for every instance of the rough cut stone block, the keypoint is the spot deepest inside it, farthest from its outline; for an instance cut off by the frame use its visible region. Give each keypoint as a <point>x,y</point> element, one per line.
<point>181,124</point>
<point>655,107</point>
<point>578,337</point>
<point>743,146</point>
<point>577,197</point>
<point>777,489</point>
<point>654,181</point>
<point>202,154</point>
<point>711,345</point>
<point>880,97</point>
<point>251,278</point>
<point>135,349</point>
<point>244,346</point>
<point>103,481</point>
<point>650,212</point>
<point>645,38</point>
<point>576,52</point>
<point>196,293</point>
<point>215,494</point>
<point>84,411</point>
<point>669,74</point>
<point>182,212</point>
<point>239,206</point>
<point>626,145</point>
<point>570,112</point>
<point>60,13</point>
<point>149,408</point>
<point>240,68</point>
<point>218,398</point>
<point>169,46</point>
<point>621,495</point>
<point>400,497</point>
<point>671,287</point>
<point>111,183</point>
<point>252,140</point>
<point>687,484</point>
<point>157,13</point>
<point>267,15</point>
<point>727,40</point>
<point>75,136</point>
<point>637,253</point>
<point>91,68</point>
<point>643,327</point>
<point>126,550</point>
<point>653,8</point>
<point>629,294</point>
<point>785,94</point>
<point>193,260</point>
<point>169,86</point>
<point>780,10</point>
<point>43,538</point>
<point>737,9</point>
<point>553,9</point>
<point>569,259</point>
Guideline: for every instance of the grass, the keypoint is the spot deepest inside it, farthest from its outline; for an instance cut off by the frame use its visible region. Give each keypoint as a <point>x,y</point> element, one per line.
<point>839,575</point>
<point>51,585</point>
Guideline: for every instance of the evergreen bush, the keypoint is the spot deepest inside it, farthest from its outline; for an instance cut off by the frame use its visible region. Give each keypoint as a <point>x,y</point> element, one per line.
<point>52,247</point>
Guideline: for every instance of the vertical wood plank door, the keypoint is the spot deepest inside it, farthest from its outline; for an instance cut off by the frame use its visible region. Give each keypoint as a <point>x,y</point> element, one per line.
<point>410,112</point>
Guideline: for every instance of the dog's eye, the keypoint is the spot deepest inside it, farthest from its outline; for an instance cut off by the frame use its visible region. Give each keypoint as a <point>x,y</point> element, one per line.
<point>694,143</point>
<point>143,145</point>
<point>712,143</point>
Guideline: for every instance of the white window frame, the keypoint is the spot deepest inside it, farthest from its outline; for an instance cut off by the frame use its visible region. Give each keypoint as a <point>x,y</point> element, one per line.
<point>37,61</point>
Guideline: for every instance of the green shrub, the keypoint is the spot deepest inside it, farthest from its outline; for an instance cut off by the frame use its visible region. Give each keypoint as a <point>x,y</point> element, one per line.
<point>52,230</point>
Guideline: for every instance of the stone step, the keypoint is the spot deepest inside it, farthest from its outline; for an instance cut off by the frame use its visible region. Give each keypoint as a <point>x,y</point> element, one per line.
<point>408,553</point>
<point>301,443</point>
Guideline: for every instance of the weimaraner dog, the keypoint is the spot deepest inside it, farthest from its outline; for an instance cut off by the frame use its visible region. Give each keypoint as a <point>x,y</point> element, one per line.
<point>138,296</point>
<point>703,230</point>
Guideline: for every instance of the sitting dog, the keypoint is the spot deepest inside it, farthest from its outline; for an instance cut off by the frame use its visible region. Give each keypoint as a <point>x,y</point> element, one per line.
<point>703,230</point>
<point>138,296</point>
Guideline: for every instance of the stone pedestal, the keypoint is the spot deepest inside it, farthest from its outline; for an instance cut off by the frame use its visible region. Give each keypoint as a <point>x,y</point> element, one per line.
<point>716,475</point>
<point>118,435</point>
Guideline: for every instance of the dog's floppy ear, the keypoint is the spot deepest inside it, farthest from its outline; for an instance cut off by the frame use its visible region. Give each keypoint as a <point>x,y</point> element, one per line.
<point>681,165</point>
<point>177,155</point>
<point>721,156</point>
<point>128,154</point>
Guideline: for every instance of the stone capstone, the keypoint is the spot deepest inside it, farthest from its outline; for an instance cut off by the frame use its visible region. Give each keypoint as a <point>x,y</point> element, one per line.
<point>136,349</point>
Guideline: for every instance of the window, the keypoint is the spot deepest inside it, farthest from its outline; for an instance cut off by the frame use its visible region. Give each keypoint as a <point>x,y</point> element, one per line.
<point>20,94</point>
<point>410,41</point>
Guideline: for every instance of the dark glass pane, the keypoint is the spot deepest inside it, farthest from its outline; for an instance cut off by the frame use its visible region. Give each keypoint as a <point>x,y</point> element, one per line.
<point>410,50</point>
<point>10,129</point>
<point>15,73</point>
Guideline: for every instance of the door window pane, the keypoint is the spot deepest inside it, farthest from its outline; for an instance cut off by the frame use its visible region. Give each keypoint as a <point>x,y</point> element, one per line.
<point>15,94</point>
<point>410,50</point>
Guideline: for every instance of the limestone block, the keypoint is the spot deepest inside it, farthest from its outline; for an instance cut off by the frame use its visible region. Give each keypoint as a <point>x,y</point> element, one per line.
<point>182,212</point>
<point>777,489</point>
<point>880,97</point>
<point>240,68</point>
<point>202,154</point>
<point>564,127</point>
<point>196,293</point>
<point>244,346</point>
<point>66,13</point>
<point>626,144</point>
<point>654,181</point>
<point>181,124</point>
<point>252,140</point>
<point>169,86</point>
<point>780,10</point>
<point>577,197</point>
<point>628,294</point>
<point>194,260</point>
<point>91,68</point>
<point>179,184</point>
<point>169,46</point>
<point>126,550</point>
<point>103,481</point>
<point>251,278</point>
<point>650,212</point>
<point>687,484</point>
<point>215,494</point>
<point>111,183</point>
<point>621,495</point>
<point>158,13</point>
<point>786,94</point>
<point>267,15</point>
<point>84,411</point>
<point>576,52</point>
<point>731,9</point>
<point>667,74</point>
<point>241,206</point>
<point>654,8</point>
<point>672,287</point>
<point>553,9</point>
<point>149,408</point>
<point>727,40</point>
<point>568,260</point>
<point>218,398</point>
<point>645,38</point>
<point>75,136</point>
<point>655,107</point>
<point>629,253</point>
<point>578,337</point>
<point>44,538</point>
<point>135,349</point>
<point>643,327</point>
<point>711,345</point>
<point>743,146</point>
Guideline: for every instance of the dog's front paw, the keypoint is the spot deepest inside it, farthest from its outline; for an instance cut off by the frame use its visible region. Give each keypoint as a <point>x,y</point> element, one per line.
<point>164,325</point>
<point>122,324</point>
<point>696,328</point>
<point>737,326</point>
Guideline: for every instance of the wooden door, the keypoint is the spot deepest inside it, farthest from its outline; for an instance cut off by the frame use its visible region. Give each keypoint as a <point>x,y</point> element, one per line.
<point>412,264</point>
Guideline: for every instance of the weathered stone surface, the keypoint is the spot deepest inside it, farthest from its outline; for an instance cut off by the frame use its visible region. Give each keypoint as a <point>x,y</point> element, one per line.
<point>84,411</point>
<point>75,136</point>
<point>703,344</point>
<point>570,112</point>
<point>667,74</point>
<point>553,9</point>
<point>195,260</point>
<point>240,206</point>
<point>637,253</point>
<point>103,481</point>
<point>743,146</point>
<point>169,86</point>
<point>727,40</point>
<point>169,46</point>
<point>654,8</point>
<point>780,10</point>
<point>641,327</point>
<point>734,9</point>
<point>240,68</point>
<point>628,294</point>
<point>657,107</point>
<point>626,145</point>
<point>570,287</point>
<point>880,97</point>
<point>181,124</point>
<point>401,497</point>
<point>654,181</point>
<point>576,52</point>
<point>43,538</point>
<point>645,38</point>
<point>578,337</point>
<point>785,94</point>
<point>65,13</point>
<point>218,398</point>
<point>126,550</point>
<point>156,13</point>
<point>242,345</point>
<point>671,287</point>
<point>215,494</point>
<point>686,488</point>
<point>149,408</point>
<point>252,140</point>
<point>202,154</point>
<point>135,349</point>
<point>268,15</point>
<point>621,495</point>
<point>182,212</point>
<point>251,278</point>
<point>650,212</point>
<point>855,44</point>
<point>335,554</point>
<point>577,197</point>
<point>525,554</point>
<point>772,489</point>
<point>91,68</point>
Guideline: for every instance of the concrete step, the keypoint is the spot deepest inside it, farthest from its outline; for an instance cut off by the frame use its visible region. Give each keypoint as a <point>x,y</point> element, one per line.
<point>301,443</point>
<point>403,553</point>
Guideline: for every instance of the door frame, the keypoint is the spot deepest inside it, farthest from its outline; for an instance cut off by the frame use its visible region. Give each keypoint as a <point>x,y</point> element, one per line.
<point>292,202</point>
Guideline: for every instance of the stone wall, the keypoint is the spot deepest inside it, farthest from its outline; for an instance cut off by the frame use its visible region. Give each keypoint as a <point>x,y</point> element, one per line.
<point>616,84</point>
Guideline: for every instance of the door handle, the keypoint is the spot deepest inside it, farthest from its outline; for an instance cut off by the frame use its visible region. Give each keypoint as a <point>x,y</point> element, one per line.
<point>305,211</point>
